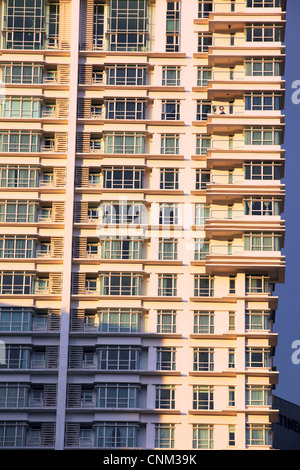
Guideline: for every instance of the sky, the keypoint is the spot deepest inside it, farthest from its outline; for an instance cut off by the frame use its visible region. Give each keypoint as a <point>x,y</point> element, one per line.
<point>287,320</point>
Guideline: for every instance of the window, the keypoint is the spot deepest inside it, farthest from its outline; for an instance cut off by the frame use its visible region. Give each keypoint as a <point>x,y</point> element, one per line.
<point>203,177</point>
<point>117,395</point>
<point>125,248</point>
<point>12,434</point>
<point>231,321</point>
<point>22,73</point>
<point>24,24</point>
<point>13,395</point>
<point>231,358</point>
<point>18,211</point>
<point>98,26</point>
<point>128,25</point>
<point>263,3</point>
<point>170,110</point>
<point>258,395</point>
<point>167,285</point>
<point>258,319</point>
<point>262,206</point>
<point>258,434</point>
<point>164,436</point>
<point>124,143</point>
<point>126,108</point>
<point>257,284</point>
<point>257,357</point>
<point>203,359</point>
<point>17,246</point>
<point>261,242</point>
<point>53,24</point>
<point>120,284</point>
<point>166,321</point>
<point>118,320</point>
<point>165,397</point>
<point>203,322</point>
<point>19,141</point>
<point>202,213</point>
<point>165,358</point>
<point>263,68</point>
<point>122,213</point>
<point>205,7</point>
<point>203,397</point>
<point>15,319</point>
<point>173,26</point>
<point>168,214</point>
<point>167,249</point>
<point>201,249</point>
<point>203,109</point>
<point>204,41</point>
<point>231,435</point>
<point>262,136</point>
<point>17,357</point>
<point>257,101</point>
<point>203,285</point>
<point>118,358</point>
<point>19,177</point>
<point>232,283</point>
<point>116,435</point>
<point>203,436</point>
<point>263,33</point>
<point>169,144</point>
<point>169,178</point>
<point>122,178</point>
<point>203,143</point>
<point>170,75</point>
<point>262,171</point>
<point>203,75</point>
<point>231,395</point>
<point>126,75</point>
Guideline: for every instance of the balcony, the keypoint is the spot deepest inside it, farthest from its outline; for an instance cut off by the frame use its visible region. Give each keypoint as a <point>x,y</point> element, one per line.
<point>231,50</point>
<point>234,187</point>
<point>234,258</point>
<point>235,223</point>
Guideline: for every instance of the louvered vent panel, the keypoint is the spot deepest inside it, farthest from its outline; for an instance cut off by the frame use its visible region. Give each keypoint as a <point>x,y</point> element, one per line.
<point>57,247</point>
<point>87,25</point>
<point>79,247</point>
<point>74,396</point>
<point>76,357</point>
<point>63,74</point>
<point>58,212</point>
<point>85,74</point>
<point>78,283</point>
<point>72,434</point>
<point>47,434</point>
<point>59,177</point>
<point>83,142</point>
<point>53,319</point>
<point>64,24</point>
<point>77,319</point>
<point>50,395</point>
<point>55,283</point>
<point>81,212</point>
<point>84,108</point>
<point>61,142</point>
<point>51,357</point>
<point>62,108</point>
<point>82,177</point>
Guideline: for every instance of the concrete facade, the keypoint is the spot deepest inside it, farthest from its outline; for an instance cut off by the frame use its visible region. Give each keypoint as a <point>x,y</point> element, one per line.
<point>141,161</point>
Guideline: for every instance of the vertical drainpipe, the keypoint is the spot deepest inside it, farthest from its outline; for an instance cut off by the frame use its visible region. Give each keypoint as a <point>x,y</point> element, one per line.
<point>68,231</point>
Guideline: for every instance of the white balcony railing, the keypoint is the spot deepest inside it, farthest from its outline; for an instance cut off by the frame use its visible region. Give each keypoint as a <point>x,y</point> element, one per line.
<point>221,214</point>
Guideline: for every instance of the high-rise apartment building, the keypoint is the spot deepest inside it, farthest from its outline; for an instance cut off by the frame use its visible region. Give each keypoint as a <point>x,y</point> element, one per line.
<point>141,231</point>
